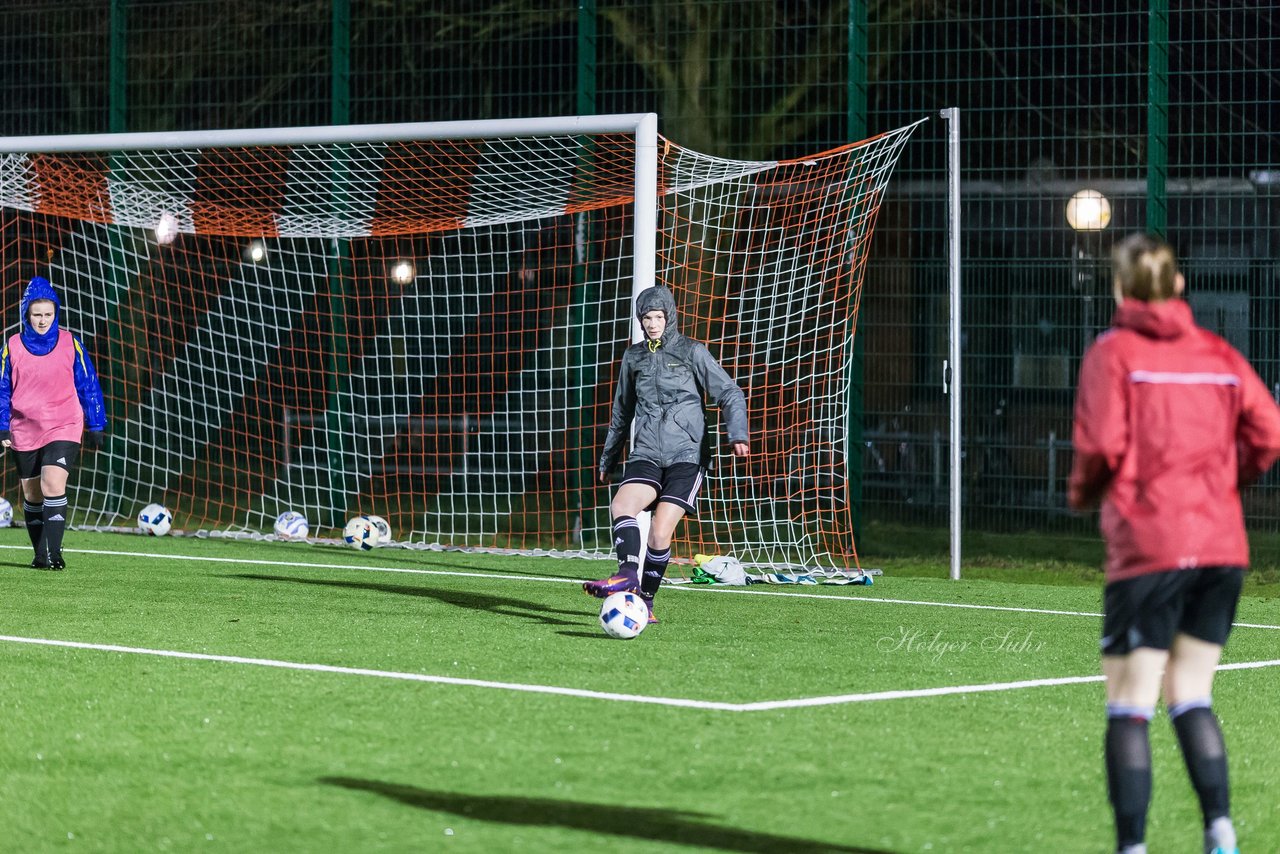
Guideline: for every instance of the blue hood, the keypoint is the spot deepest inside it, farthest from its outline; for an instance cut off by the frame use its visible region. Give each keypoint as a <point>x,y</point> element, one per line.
<point>38,289</point>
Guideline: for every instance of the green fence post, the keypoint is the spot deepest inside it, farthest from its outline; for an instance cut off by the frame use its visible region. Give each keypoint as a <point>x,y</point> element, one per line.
<point>1158,117</point>
<point>340,64</point>
<point>118,80</point>
<point>856,129</point>
<point>117,122</point>
<point>584,308</point>
<point>338,426</point>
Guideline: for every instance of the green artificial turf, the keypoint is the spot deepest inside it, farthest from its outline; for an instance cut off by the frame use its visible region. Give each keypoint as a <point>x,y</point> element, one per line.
<point>121,751</point>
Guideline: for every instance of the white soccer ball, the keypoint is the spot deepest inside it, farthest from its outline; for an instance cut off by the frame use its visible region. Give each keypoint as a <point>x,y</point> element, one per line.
<point>166,229</point>
<point>624,615</point>
<point>6,513</point>
<point>292,525</point>
<point>155,519</point>
<point>360,534</point>
<point>382,527</point>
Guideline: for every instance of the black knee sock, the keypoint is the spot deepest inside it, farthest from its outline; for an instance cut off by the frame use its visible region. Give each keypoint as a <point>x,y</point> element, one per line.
<point>655,566</point>
<point>626,542</point>
<point>34,514</point>
<point>1205,753</point>
<point>55,522</point>
<point>1128,754</point>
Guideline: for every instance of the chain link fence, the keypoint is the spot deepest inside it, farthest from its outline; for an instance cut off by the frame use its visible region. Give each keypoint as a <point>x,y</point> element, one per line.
<point>1167,111</point>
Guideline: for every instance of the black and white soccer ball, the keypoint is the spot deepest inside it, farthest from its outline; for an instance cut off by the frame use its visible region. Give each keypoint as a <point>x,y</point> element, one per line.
<point>155,519</point>
<point>292,525</point>
<point>360,534</point>
<point>624,615</point>
<point>382,527</point>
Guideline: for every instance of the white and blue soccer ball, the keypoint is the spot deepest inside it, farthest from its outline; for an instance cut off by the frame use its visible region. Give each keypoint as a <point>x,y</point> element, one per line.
<point>382,527</point>
<point>6,513</point>
<point>292,525</point>
<point>624,615</point>
<point>155,519</point>
<point>360,534</point>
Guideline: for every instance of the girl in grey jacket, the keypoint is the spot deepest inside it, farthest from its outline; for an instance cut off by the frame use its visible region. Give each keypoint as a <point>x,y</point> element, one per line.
<point>663,383</point>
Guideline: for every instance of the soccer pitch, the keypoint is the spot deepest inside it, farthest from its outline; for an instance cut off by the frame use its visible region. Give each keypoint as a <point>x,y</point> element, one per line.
<point>184,695</point>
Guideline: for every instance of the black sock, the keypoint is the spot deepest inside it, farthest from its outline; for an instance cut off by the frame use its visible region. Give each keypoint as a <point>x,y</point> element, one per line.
<point>626,542</point>
<point>55,522</point>
<point>34,514</point>
<point>1205,753</point>
<point>655,566</point>
<point>1128,755</point>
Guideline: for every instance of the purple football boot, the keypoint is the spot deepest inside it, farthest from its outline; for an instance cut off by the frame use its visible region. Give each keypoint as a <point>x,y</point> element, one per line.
<point>626,581</point>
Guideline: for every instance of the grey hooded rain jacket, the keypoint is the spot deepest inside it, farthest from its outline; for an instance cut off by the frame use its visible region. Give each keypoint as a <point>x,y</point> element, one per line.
<point>662,386</point>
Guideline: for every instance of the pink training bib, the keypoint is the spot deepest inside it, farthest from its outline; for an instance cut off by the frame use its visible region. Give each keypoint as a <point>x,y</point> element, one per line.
<point>44,406</point>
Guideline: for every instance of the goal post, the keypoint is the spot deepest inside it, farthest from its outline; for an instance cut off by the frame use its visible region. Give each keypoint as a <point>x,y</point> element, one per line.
<point>424,321</point>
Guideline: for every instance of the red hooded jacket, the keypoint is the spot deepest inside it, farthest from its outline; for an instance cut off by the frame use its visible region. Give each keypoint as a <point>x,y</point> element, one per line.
<point>1170,421</point>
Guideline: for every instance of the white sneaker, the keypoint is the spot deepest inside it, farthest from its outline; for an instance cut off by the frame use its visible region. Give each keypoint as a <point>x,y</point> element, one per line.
<point>1220,837</point>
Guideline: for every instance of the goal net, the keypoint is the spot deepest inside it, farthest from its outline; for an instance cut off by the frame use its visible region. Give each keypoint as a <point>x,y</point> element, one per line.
<point>425,322</point>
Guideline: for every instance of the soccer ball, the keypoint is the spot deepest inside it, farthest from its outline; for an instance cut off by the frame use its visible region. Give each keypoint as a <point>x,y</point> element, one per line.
<point>292,525</point>
<point>6,513</point>
<point>155,519</point>
<point>360,534</point>
<point>381,526</point>
<point>624,615</point>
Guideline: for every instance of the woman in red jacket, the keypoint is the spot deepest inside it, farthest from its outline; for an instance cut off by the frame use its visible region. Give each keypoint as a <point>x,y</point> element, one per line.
<point>1170,421</point>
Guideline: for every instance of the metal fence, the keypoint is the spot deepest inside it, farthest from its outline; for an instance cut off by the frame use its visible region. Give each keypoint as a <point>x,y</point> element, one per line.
<point>1167,110</point>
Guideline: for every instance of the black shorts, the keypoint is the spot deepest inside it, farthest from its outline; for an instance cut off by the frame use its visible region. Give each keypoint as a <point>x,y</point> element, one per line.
<point>678,484</point>
<point>1149,610</point>
<point>60,454</point>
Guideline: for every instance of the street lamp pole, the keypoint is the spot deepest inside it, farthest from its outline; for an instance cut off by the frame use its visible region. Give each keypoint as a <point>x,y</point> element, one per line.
<point>1088,212</point>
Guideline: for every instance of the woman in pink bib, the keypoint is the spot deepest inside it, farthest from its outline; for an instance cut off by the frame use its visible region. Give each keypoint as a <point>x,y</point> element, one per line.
<point>50,401</point>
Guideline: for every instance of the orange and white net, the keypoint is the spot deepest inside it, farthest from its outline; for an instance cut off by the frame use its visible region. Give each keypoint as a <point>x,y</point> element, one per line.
<point>430,331</point>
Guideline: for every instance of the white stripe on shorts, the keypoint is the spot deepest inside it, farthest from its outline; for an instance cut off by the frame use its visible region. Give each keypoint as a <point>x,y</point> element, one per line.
<point>693,493</point>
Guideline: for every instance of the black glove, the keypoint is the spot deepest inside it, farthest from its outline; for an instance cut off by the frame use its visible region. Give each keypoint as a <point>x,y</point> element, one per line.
<point>93,439</point>
<point>6,436</point>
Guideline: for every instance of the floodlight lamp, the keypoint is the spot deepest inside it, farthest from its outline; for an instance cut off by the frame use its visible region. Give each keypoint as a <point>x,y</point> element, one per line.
<point>1088,210</point>
<point>256,251</point>
<point>403,272</point>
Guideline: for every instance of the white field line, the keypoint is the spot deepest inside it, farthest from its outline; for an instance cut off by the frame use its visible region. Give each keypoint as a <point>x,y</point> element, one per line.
<point>954,689</point>
<point>302,565</point>
<point>574,692</point>
<point>752,591</point>
<point>769,705</point>
<point>379,674</point>
<point>874,599</point>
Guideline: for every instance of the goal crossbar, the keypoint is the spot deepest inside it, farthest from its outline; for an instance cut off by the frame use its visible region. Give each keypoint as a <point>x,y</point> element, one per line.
<point>645,126</point>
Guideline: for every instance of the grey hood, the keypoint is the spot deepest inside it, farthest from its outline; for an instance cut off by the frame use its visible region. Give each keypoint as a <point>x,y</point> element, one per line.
<point>658,298</point>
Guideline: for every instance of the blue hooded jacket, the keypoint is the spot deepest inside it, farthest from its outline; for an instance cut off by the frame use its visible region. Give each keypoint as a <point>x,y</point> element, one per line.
<point>86,378</point>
